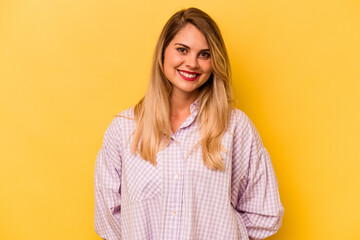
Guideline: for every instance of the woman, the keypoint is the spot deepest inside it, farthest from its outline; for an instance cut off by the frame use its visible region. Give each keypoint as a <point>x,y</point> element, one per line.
<point>183,164</point>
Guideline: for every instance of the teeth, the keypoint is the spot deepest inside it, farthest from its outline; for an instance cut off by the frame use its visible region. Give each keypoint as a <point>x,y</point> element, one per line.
<point>187,74</point>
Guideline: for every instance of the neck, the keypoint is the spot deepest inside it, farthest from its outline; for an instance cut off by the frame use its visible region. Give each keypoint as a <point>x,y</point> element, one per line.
<point>180,103</point>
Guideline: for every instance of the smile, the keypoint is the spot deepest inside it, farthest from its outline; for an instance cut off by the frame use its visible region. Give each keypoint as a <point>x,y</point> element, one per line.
<point>188,76</point>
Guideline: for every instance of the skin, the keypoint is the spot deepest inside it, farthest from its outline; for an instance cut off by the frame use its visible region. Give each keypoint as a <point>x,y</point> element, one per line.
<point>188,51</point>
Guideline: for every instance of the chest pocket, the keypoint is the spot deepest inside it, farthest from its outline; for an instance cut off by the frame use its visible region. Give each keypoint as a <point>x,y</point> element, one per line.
<point>143,180</point>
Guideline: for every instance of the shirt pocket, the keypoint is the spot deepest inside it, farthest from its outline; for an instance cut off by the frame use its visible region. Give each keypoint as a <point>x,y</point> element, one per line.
<point>143,180</point>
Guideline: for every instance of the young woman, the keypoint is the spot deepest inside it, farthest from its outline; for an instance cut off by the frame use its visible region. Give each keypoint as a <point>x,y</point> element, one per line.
<point>183,163</point>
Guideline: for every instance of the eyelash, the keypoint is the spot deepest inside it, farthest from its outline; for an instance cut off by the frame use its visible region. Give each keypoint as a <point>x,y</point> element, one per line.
<point>207,54</point>
<point>183,50</point>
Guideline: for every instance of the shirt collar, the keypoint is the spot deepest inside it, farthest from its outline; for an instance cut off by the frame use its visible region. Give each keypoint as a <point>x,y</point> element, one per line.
<point>194,109</point>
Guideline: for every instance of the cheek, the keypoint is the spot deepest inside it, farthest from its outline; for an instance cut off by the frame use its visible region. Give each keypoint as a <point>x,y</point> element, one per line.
<point>206,66</point>
<point>171,59</point>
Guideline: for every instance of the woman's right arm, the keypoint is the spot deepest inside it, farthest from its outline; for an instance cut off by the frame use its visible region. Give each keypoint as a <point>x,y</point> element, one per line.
<point>108,185</point>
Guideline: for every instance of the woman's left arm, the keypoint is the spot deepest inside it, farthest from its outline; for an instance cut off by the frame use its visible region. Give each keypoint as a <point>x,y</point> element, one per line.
<point>255,192</point>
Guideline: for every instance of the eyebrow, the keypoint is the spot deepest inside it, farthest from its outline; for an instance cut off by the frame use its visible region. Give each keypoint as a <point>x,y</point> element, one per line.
<point>189,47</point>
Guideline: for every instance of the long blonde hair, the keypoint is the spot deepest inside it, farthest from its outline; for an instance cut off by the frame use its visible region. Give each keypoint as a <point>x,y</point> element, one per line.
<point>153,129</point>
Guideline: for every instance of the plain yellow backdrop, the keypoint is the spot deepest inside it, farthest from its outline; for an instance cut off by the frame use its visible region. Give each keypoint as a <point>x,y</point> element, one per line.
<point>66,67</point>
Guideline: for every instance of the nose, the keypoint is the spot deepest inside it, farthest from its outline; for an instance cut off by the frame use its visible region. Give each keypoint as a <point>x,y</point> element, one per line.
<point>192,61</point>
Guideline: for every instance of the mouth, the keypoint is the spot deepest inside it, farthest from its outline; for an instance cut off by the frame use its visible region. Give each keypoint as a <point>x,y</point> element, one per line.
<point>188,76</point>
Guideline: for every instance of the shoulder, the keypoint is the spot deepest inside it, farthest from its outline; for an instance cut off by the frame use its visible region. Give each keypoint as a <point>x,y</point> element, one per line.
<point>240,119</point>
<point>124,117</point>
<point>122,122</point>
<point>127,113</point>
<point>243,126</point>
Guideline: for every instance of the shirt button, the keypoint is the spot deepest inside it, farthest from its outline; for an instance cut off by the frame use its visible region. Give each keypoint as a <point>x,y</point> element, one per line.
<point>174,212</point>
<point>176,176</point>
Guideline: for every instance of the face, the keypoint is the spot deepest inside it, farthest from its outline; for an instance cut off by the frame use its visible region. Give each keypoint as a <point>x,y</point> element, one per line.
<point>187,61</point>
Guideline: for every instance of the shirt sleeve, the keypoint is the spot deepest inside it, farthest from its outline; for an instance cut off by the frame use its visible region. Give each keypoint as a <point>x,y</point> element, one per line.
<point>254,191</point>
<point>108,185</point>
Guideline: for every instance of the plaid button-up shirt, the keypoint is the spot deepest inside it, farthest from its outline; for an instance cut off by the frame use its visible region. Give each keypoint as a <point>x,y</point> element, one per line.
<point>180,198</point>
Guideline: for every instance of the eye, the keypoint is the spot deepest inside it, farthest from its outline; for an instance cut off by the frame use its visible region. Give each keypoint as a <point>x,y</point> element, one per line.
<point>205,54</point>
<point>182,50</point>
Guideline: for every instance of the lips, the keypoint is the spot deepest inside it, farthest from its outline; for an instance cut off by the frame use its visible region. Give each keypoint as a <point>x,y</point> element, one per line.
<point>188,76</point>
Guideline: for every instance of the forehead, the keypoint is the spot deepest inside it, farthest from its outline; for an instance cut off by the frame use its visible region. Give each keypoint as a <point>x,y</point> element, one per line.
<point>191,36</point>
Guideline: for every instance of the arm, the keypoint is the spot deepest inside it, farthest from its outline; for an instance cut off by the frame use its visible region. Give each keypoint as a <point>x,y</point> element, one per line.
<point>107,185</point>
<point>254,185</point>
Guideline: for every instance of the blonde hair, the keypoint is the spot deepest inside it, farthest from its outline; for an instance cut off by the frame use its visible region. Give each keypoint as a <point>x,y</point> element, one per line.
<point>153,129</point>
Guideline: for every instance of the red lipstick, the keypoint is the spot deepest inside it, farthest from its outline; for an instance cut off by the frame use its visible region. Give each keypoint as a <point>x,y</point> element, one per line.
<point>188,78</point>
<point>188,72</point>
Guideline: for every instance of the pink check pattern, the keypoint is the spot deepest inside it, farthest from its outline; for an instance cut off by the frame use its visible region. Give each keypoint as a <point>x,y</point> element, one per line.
<point>179,198</point>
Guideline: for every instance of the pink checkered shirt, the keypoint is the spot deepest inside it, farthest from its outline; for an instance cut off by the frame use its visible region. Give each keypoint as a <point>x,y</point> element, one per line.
<point>180,198</point>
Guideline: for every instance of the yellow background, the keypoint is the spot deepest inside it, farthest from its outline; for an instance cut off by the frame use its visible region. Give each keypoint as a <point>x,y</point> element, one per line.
<point>66,67</point>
